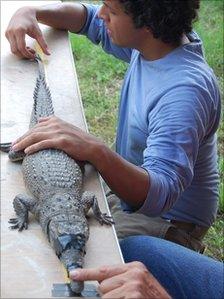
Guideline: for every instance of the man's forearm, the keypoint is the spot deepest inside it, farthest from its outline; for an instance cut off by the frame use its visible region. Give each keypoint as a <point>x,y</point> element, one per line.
<point>129,182</point>
<point>67,16</point>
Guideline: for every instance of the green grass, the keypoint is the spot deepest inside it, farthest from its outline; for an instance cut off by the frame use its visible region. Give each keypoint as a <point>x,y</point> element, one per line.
<point>210,28</point>
<point>100,80</point>
<point>214,240</point>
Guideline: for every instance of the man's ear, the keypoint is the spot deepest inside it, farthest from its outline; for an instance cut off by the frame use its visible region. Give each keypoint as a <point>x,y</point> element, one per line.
<point>148,29</point>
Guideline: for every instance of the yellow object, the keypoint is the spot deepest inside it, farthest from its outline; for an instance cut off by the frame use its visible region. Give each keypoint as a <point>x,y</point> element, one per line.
<point>66,278</point>
<point>43,58</point>
<point>40,53</point>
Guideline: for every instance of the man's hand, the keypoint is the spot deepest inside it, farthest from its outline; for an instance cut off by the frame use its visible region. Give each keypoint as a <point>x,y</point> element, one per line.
<point>52,132</point>
<point>131,280</point>
<point>24,22</point>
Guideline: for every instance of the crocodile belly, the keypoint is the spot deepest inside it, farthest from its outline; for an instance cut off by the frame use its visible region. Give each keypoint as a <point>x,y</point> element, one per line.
<point>49,170</point>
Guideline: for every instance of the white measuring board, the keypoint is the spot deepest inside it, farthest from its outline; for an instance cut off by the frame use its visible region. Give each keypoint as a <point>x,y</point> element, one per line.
<point>29,266</point>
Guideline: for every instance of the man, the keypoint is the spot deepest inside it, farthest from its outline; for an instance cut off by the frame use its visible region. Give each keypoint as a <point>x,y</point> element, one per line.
<point>164,169</point>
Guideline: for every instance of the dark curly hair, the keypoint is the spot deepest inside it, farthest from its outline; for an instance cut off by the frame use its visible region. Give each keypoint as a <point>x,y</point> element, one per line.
<point>167,19</point>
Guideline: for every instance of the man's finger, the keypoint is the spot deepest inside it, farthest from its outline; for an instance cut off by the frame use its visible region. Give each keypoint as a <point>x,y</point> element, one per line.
<point>113,283</point>
<point>13,45</point>
<point>97,274</point>
<point>45,144</point>
<point>133,271</point>
<point>116,293</point>
<point>42,43</point>
<point>20,40</point>
<point>21,138</point>
<point>38,128</point>
<point>18,140</point>
<point>31,50</point>
<point>28,139</point>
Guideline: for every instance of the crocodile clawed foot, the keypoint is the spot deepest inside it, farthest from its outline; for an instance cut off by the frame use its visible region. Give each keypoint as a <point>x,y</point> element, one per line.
<point>105,219</point>
<point>18,223</point>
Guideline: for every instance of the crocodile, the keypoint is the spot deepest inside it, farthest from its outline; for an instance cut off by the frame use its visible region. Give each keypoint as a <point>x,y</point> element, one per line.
<point>55,181</point>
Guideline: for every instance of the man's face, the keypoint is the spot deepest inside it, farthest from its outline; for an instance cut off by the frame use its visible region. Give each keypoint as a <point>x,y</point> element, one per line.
<point>120,26</point>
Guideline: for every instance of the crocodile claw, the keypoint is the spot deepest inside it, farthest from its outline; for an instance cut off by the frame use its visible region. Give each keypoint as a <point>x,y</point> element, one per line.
<point>12,220</point>
<point>105,219</point>
<point>18,223</point>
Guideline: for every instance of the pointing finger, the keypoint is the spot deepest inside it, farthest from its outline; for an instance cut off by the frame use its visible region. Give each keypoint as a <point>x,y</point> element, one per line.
<point>42,43</point>
<point>97,274</point>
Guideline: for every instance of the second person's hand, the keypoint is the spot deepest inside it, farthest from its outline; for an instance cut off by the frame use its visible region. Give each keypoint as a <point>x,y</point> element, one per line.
<point>131,280</point>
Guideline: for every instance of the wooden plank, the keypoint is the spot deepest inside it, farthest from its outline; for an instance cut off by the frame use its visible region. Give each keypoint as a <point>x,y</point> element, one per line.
<point>29,266</point>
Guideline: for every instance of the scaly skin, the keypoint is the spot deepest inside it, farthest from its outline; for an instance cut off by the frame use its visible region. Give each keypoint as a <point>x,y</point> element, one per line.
<point>55,180</point>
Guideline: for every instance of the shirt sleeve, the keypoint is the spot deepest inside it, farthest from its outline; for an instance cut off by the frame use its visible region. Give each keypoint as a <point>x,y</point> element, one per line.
<point>96,31</point>
<point>176,128</point>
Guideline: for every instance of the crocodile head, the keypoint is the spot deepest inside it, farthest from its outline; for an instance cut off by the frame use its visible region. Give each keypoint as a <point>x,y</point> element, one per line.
<point>68,233</point>
<point>70,249</point>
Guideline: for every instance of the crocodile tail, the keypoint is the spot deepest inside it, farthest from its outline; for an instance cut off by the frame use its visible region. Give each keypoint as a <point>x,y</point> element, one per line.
<point>42,106</point>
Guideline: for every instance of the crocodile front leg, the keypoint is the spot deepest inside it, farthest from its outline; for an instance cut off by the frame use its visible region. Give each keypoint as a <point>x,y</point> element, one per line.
<point>89,200</point>
<point>22,205</point>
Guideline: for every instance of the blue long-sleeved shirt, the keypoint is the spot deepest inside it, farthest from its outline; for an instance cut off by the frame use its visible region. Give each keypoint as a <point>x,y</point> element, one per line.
<point>168,115</point>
